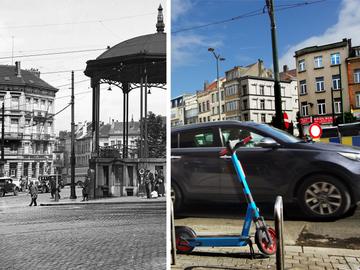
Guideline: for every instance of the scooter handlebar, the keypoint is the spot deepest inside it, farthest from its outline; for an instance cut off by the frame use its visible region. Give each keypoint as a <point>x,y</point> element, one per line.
<point>232,146</point>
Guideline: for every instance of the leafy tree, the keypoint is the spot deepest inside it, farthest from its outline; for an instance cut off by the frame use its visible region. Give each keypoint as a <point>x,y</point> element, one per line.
<point>156,135</point>
<point>349,118</point>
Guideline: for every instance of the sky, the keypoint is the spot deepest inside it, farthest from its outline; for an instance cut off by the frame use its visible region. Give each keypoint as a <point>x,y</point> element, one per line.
<point>40,27</point>
<point>243,41</point>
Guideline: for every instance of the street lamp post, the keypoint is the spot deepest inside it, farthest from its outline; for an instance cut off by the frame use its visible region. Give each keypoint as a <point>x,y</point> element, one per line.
<point>218,58</point>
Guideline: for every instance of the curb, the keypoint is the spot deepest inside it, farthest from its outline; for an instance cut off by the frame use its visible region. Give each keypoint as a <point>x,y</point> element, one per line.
<point>95,202</point>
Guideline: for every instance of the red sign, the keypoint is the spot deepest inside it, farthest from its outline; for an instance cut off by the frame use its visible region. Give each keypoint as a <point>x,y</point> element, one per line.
<point>286,120</point>
<point>315,131</point>
<point>323,119</point>
<point>305,120</point>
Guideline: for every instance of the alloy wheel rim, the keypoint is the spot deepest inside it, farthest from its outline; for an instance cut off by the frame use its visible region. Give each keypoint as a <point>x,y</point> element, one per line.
<point>323,198</point>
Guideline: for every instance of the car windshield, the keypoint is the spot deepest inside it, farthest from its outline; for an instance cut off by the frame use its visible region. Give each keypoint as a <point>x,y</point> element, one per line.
<point>280,134</point>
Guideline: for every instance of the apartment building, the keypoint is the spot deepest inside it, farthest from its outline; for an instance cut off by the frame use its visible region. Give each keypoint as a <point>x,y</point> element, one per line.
<point>353,68</point>
<point>204,110</point>
<point>191,109</point>
<point>323,82</point>
<point>29,122</point>
<point>178,110</point>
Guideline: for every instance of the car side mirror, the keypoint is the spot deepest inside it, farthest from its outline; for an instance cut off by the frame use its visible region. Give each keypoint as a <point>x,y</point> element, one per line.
<point>267,142</point>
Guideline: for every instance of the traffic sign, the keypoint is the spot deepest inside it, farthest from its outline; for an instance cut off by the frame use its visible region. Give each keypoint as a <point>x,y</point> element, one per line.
<point>315,131</point>
<point>286,120</point>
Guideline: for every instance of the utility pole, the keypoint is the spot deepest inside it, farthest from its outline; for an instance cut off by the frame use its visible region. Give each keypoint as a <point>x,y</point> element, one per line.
<point>72,192</point>
<point>279,121</point>
<point>2,162</point>
<point>341,97</point>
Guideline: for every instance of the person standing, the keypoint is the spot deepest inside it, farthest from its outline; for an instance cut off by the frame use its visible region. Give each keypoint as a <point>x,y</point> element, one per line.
<point>85,189</point>
<point>33,190</point>
<point>161,180</point>
<point>147,181</point>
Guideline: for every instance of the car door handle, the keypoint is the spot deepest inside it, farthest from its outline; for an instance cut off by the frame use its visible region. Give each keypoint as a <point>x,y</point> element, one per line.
<point>225,157</point>
<point>176,157</point>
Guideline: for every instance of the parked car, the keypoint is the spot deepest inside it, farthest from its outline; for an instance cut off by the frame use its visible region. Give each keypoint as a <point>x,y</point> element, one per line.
<point>7,186</point>
<point>44,182</point>
<point>322,178</point>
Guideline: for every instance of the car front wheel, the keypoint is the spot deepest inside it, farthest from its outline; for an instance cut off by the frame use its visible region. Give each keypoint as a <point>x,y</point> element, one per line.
<point>324,196</point>
<point>176,197</point>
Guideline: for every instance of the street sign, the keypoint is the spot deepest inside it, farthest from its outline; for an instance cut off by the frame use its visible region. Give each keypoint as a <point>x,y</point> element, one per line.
<point>315,131</point>
<point>286,120</point>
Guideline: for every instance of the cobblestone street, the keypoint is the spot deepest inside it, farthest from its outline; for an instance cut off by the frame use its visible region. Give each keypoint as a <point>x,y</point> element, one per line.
<point>93,236</point>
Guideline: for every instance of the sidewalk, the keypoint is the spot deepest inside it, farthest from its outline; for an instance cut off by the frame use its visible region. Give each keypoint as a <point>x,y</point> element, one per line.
<point>296,257</point>
<point>46,200</point>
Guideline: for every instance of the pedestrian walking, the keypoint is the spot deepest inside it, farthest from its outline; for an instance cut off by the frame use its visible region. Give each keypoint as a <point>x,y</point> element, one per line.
<point>85,189</point>
<point>33,190</point>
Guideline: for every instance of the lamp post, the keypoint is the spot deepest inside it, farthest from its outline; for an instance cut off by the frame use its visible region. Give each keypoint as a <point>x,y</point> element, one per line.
<point>218,58</point>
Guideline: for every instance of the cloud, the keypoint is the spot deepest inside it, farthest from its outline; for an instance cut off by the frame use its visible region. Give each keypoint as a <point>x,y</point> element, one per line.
<point>186,48</point>
<point>179,7</point>
<point>347,26</point>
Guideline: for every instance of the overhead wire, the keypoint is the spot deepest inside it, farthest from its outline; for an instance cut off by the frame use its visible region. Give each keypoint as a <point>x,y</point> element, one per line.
<point>257,12</point>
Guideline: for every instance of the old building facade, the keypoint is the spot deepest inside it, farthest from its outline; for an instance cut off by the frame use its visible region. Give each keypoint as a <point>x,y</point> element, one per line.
<point>28,121</point>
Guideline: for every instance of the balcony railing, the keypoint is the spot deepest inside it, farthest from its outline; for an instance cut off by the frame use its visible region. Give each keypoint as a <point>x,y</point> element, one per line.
<point>40,137</point>
<point>13,135</point>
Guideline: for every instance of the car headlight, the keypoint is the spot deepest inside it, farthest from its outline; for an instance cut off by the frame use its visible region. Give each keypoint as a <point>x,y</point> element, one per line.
<point>352,156</point>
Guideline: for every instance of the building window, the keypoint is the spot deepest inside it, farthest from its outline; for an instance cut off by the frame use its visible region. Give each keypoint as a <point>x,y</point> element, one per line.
<point>357,52</point>
<point>213,110</point>
<point>357,97</point>
<point>336,82</point>
<point>230,90</point>
<point>318,62</point>
<point>357,76</point>
<point>304,109</point>
<point>262,90</point>
<point>36,104</point>
<point>200,108</point>
<point>14,103</point>
<point>14,125</point>
<point>320,84</point>
<point>301,65</point>
<point>303,89</point>
<point>42,105</point>
<point>335,59</point>
<point>262,104</point>
<point>263,118</point>
<point>321,106</point>
<point>208,105</point>
<point>231,106</point>
<point>246,117</point>
<point>337,105</point>
<point>212,98</point>
<point>208,118</point>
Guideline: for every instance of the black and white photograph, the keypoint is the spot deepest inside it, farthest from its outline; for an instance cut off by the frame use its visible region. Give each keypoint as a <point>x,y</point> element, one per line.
<point>84,99</point>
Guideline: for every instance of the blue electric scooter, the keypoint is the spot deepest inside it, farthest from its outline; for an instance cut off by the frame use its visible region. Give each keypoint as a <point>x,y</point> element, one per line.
<point>265,237</point>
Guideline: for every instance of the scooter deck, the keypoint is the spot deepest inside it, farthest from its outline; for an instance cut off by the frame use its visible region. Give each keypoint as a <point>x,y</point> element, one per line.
<point>220,241</point>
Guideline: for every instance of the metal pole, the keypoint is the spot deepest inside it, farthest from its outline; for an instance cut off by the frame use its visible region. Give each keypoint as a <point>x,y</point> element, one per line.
<point>2,130</point>
<point>146,122</point>
<point>57,186</point>
<point>341,97</point>
<point>141,117</point>
<point>124,112</point>
<point>279,121</point>
<point>279,224</point>
<point>72,186</point>
<point>173,239</point>
<point>218,85</point>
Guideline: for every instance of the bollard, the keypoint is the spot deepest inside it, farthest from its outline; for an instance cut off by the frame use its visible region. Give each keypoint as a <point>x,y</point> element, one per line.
<point>173,243</point>
<point>279,222</point>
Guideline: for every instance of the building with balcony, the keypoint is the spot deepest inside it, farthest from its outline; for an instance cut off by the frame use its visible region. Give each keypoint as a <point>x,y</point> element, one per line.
<point>178,110</point>
<point>28,122</point>
<point>323,82</point>
<point>191,109</point>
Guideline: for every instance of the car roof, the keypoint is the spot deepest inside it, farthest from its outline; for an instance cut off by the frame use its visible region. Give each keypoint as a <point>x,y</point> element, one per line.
<point>214,124</point>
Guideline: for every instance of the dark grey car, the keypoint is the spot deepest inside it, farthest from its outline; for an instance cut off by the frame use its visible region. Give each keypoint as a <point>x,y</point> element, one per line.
<point>324,179</point>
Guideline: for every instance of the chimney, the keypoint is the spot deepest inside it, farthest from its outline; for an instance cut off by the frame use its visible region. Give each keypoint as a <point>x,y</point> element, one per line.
<point>260,67</point>
<point>285,68</point>
<point>17,69</point>
<point>35,71</point>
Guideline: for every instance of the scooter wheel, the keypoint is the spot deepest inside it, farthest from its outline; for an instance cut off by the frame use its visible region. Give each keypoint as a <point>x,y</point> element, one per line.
<point>262,244</point>
<point>182,234</point>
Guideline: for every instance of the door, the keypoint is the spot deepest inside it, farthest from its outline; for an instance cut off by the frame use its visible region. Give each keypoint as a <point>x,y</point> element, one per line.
<point>195,163</point>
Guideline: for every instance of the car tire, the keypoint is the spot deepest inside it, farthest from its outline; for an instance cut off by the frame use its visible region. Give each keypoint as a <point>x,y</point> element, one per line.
<point>323,196</point>
<point>176,197</point>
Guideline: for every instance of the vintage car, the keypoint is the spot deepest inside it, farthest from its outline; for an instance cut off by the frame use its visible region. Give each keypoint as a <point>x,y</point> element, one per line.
<point>7,186</point>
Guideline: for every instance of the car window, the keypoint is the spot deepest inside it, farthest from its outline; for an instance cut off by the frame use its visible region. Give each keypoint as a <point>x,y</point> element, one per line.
<point>197,138</point>
<point>235,133</point>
